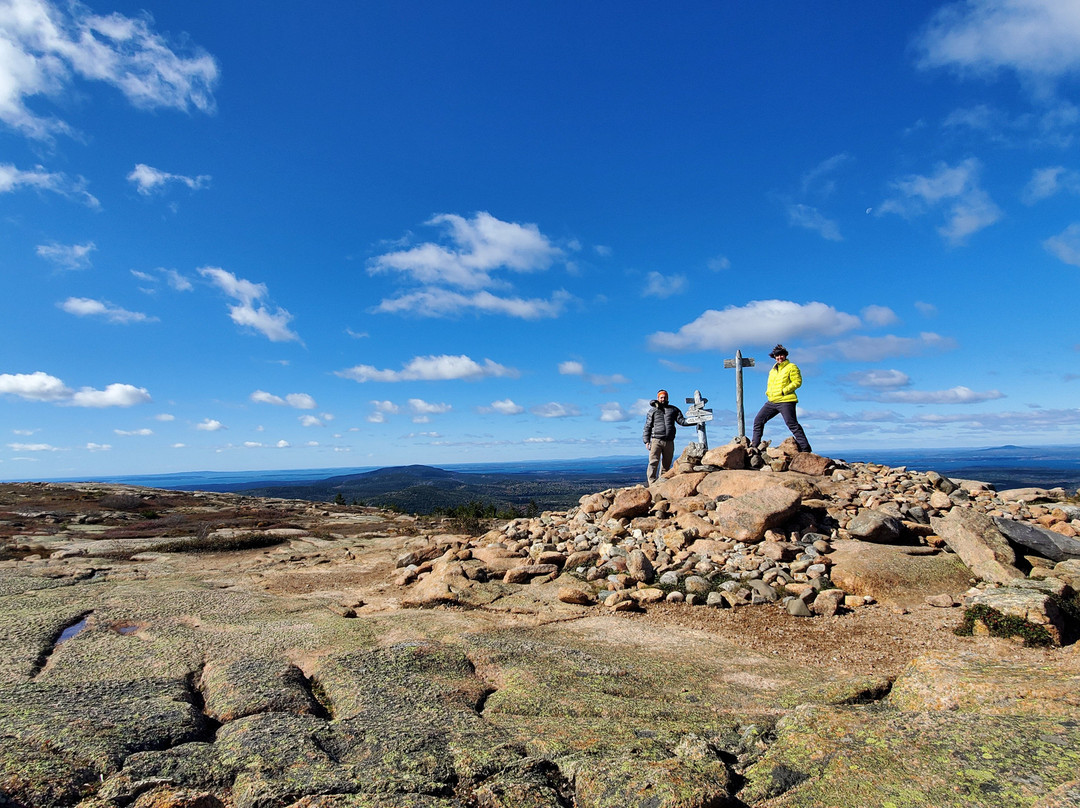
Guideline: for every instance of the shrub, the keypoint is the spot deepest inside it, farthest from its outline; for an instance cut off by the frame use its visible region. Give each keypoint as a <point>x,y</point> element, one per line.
<point>1002,625</point>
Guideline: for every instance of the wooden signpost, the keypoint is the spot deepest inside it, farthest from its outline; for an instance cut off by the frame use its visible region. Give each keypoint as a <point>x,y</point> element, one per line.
<point>739,362</point>
<point>698,415</point>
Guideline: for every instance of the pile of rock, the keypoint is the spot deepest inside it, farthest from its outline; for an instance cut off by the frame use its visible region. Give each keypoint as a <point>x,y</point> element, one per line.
<point>736,526</point>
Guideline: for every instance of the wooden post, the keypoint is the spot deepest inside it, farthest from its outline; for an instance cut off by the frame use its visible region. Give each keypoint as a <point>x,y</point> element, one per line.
<point>739,362</point>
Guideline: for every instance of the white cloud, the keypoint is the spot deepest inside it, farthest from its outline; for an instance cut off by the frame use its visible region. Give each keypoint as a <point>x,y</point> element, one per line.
<point>880,379</point>
<point>282,444</point>
<point>134,432</point>
<point>40,386</point>
<point>573,368</point>
<point>818,180</point>
<point>114,395</point>
<point>300,401</point>
<point>179,446</point>
<point>612,412</point>
<point>98,447</point>
<point>436,302</point>
<point>477,247</point>
<point>164,416</point>
<point>421,407</point>
<point>879,316</point>
<point>504,406</point>
<point>274,325</point>
<point>1066,245</point>
<point>381,410</point>
<point>1048,182</point>
<point>173,278</point>
<point>13,179</point>
<point>811,218</point>
<point>875,349</point>
<point>954,395</point>
<point>311,420</point>
<point>32,447</point>
<point>210,425</point>
<point>926,309</point>
<point>719,264</point>
<point>759,322</point>
<point>968,208</point>
<point>253,444</point>
<point>554,409</point>
<point>45,46</point>
<point>430,368</point>
<point>88,307</point>
<point>1038,39</point>
<point>147,180</point>
<point>663,286</point>
<point>67,256</point>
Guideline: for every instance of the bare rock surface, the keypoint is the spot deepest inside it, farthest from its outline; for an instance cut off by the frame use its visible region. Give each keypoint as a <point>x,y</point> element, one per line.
<point>721,638</point>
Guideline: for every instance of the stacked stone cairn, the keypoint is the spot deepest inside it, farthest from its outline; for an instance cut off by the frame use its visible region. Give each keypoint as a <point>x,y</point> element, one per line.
<point>736,526</point>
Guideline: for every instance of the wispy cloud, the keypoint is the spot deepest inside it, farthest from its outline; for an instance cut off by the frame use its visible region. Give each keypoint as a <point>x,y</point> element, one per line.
<point>134,432</point>
<point>431,368</point>
<point>879,316</point>
<point>759,322</point>
<point>40,386</point>
<point>14,179</point>
<point>149,180</point>
<point>88,307</point>
<point>954,395</point>
<point>504,406</point>
<point>879,379</point>
<point>435,302</point>
<point>1048,182</point>
<point>381,410</point>
<point>555,409</point>
<point>875,349</point>
<point>612,412</point>
<point>48,45</point>
<point>174,279</point>
<point>968,208</point>
<point>810,218</point>
<point>661,286</point>
<point>274,325</point>
<point>67,256</point>
<point>1066,245</point>
<point>1039,40</point>
<point>574,368</point>
<point>301,401</point>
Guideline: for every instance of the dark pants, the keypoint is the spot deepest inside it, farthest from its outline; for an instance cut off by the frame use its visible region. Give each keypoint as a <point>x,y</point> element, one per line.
<point>786,409</point>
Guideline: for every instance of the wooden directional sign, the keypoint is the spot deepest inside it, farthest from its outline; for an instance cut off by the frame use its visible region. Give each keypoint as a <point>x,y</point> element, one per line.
<point>697,414</point>
<point>746,362</point>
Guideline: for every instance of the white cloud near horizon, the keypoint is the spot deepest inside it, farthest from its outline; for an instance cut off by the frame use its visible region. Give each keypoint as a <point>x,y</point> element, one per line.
<point>134,432</point>
<point>210,425</point>
<point>45,47</point>
<point>88,307</point>
<point>1039,40</point>
<point>14,179</point>
<point>954,395</point>
<point>40,386</point>
<point>148,180</point>
<point>431,368</point>
<point>956,189</point>
<point>33,447</point>
<point>759,322</point>
<point>66,256</point>
<point>274,325</point>
<point>612,412</point>
<point>421,407</point>
<point>300,401</point>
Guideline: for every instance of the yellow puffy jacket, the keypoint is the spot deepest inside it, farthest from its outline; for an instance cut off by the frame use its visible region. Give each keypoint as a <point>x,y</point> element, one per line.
<point>784,380</point>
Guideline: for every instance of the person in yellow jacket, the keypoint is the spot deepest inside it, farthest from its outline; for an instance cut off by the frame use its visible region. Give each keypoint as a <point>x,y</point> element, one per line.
<point>784,380</point>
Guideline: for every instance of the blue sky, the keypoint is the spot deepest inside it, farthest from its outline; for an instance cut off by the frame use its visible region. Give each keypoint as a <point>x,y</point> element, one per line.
<point>355,234</point>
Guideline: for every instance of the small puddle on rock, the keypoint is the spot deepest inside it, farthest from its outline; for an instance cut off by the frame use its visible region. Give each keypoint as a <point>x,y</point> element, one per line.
<point>71,631</point>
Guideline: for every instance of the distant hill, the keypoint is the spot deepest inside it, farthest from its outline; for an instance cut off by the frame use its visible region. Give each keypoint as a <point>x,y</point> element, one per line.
<point>424,489</point>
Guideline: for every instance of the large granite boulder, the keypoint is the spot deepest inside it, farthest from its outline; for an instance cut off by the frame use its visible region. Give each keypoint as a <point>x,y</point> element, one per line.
<point>897,575</point>
<point>746,518</point>
<point>1047,543</point>
<point>876,526</point>
<point>975,538</point>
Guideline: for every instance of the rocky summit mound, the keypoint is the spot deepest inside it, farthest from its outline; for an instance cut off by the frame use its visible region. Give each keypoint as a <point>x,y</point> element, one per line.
<point>755,629</point>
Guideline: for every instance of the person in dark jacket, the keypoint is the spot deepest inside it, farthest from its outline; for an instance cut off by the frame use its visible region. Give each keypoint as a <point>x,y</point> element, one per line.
<point>659,435</point>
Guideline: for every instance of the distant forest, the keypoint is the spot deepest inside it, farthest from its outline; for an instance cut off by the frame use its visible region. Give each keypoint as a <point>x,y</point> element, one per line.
<point>429,490</point>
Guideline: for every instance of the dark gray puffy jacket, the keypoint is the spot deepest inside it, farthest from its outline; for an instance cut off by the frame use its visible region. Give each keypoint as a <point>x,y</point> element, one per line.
<point>660,422</point>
